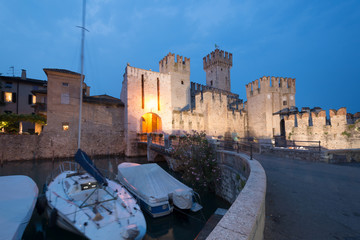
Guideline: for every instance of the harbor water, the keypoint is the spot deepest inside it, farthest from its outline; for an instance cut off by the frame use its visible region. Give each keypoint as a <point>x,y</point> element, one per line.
<point>178,225</point>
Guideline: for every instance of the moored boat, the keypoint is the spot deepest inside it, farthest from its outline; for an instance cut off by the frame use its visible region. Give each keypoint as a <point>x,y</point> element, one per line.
<point>157,191</point>
<point>17,202</point>
<point>90,205</point>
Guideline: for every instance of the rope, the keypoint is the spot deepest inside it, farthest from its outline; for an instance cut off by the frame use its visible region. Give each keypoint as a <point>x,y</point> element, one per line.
<point>200,220</point>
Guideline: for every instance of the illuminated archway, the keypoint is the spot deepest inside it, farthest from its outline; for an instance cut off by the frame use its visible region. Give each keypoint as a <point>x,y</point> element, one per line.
<point>150,122</point>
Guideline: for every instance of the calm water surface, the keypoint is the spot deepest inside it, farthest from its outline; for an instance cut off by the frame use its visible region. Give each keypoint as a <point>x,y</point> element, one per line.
<point>178,225</point>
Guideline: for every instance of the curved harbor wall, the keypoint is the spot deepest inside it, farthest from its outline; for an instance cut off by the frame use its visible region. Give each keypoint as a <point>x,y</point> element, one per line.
<point>246,217</point>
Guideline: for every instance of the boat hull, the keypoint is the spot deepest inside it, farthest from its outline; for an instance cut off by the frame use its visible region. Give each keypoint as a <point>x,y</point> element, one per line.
<point>93,216</point>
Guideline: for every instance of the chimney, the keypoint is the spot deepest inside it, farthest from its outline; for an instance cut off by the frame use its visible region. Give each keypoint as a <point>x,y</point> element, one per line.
<point>23,74</point>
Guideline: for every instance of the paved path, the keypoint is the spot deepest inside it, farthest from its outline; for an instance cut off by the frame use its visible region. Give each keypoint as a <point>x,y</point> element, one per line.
<point>307,200</point>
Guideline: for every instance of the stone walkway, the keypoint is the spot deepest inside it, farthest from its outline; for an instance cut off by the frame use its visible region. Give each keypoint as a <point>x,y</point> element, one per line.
<point>309,200</point>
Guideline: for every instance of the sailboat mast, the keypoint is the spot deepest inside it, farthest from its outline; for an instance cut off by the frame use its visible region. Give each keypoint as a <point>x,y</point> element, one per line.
<point>82,70</point>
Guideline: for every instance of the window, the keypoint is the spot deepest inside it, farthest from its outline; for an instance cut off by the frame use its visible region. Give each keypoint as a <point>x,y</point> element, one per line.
<point>284,103</point>
<point>158,94</point>
<point>142,92</point>
<point>65,84</point>
<point>182,82</point>
<point>65,126</point>
<point>9,97</point>
<point>8,85</point>
<point>35,87</point>
<point>211,83</point>
<point>31,99</point>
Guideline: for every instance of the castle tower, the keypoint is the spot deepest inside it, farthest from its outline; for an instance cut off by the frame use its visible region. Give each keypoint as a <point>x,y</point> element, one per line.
<point>217,66</point>
<point>266,96</point>
<point>179,71</point>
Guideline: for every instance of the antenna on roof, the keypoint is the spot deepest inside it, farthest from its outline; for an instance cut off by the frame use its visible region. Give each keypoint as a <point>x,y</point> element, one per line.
<point>13,70</point>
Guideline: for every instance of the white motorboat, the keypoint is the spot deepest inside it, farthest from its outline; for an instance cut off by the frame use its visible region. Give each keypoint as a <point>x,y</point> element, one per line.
<point>18,198</point>
<point>156,190</point>
<point>88,204</point>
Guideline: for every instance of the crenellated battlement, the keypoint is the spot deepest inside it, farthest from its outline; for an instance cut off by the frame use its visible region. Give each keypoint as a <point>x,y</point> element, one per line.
<point>216,57</point>
<point>270,84</point>
<point>233,100</point>
<point>168,64</point>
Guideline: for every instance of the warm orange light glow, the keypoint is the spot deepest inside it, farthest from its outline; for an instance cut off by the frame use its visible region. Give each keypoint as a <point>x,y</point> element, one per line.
<point>8,97</point>
<point>151,105</point>
<point>65,126</point>
<point>150,122</point>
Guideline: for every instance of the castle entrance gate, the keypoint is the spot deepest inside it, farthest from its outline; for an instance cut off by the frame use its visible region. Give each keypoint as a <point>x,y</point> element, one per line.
<point>150,122</point>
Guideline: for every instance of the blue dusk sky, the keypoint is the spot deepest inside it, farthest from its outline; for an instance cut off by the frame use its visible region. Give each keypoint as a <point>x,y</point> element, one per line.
<point>317,42</point>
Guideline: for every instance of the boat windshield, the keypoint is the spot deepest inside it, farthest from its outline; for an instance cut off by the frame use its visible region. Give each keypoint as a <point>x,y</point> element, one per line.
<point>89,185</point>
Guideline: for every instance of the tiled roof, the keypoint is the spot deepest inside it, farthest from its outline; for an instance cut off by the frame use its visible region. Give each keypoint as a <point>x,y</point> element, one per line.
<point>19,79</point>
<point>103,99</point>
<point>61,71</point>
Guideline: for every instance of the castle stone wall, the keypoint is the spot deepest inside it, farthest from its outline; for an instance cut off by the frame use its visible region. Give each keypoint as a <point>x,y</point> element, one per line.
<point>179,71</point>
<point>338,135</point>
<point>266,96</point>
<point>211,115</point>
<point>217,66</point>
<point>134,109</point>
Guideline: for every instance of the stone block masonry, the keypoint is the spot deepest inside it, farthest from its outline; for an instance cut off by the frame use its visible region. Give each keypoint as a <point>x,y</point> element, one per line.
<point>337,133</point>
<point>266,96</point>
<point>246,217</point>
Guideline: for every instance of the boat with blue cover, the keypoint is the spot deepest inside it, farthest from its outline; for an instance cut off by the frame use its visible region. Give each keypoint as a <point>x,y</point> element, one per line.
<point>156,190</point>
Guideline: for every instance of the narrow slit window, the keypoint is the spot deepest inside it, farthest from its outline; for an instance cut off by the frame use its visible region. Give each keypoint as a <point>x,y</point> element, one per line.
<point>158,94</point>
<point>142,92</point>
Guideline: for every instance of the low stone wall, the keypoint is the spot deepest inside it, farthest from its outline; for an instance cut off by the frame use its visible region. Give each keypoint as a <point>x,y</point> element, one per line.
<point>49,146</point>
<point>246,217</point>
<point>342,155</point>
<point>327,156</point>
<point>309,155</point>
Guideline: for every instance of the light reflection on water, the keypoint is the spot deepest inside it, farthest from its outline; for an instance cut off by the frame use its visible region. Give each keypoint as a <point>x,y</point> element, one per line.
<point>177,225</point>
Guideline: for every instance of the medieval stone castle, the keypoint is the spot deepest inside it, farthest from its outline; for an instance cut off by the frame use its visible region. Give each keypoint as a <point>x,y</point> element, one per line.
<point>168,102</point>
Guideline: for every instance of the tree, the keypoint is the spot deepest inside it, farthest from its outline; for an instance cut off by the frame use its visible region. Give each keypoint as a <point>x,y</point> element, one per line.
<point>200,168</point>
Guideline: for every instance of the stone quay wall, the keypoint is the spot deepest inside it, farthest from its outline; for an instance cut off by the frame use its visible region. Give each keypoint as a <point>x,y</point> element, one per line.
<point>46,146</point>
<point>246,217</point>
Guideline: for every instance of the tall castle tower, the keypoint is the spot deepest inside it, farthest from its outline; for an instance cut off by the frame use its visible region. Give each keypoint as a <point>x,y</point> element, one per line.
<point>266,96</point>
<point>179,71</point>
<point>217,66</point>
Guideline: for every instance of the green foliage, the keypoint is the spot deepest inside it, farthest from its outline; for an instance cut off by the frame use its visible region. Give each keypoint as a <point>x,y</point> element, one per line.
<point>351,126</point>
<point>290,134</point>
<point>345,133</point>
<point>14,118</point>
<point>10,122</point>
<point>199,160</point>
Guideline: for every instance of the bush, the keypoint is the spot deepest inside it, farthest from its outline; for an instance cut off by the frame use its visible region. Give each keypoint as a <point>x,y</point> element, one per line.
<point>199,161</point>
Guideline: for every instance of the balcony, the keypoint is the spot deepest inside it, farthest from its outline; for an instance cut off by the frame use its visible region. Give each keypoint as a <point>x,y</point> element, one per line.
<point>40,108</point>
